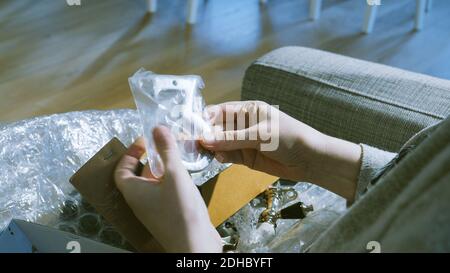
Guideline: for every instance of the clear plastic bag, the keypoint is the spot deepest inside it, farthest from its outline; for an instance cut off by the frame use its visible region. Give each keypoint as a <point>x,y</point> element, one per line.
<point>175,102</point>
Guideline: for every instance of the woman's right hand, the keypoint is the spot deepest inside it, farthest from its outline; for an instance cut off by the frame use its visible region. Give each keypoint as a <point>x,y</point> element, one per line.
<point>301,153</point>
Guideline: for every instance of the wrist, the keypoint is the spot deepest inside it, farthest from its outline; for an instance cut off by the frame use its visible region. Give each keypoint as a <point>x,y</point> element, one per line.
<point>203,237</point>
<point>195,234</point>
<point>336,166</point>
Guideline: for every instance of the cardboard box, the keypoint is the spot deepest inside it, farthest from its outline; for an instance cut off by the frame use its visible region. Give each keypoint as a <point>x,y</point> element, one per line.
<point>25,237</point>
<point>224,195</point>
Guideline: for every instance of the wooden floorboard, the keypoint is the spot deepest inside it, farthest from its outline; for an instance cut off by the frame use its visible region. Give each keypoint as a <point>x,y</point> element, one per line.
<point>55,58</point>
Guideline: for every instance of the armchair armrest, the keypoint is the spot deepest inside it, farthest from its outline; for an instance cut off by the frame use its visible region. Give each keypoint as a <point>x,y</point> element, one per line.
<point>344,97</point>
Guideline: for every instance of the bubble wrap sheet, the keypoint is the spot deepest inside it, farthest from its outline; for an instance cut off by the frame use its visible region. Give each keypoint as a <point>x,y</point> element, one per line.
<point>39,155</point>
<point>290,235</point>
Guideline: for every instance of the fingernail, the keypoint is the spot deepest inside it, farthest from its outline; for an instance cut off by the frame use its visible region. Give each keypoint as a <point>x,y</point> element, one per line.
<point>219,157</point>
<point>208,137</point>
<point>211,115</point>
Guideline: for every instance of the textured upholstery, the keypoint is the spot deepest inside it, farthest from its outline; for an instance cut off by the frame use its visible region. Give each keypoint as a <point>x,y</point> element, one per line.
<point>356,100</point>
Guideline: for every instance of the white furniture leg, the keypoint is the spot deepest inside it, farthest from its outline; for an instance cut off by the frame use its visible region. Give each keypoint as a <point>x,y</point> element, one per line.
<point>151,5</point>
<point>421,6</point>
<point>192,11</point>
<point>314,9</point>
<point>369,18</point>
<point>429,5</point>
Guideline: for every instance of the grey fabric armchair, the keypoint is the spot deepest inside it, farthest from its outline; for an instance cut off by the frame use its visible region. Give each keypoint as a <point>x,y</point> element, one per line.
<point>344,97</point>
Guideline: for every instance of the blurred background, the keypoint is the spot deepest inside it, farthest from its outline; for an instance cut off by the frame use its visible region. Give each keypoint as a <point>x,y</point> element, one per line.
<point>58,58</point>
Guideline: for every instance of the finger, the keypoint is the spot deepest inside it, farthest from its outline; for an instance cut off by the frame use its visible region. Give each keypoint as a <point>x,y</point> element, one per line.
<point>232,106</point>
<point>231,112</point>
<point>137,149</point>
<point>129,163</point>
<point>147,173</point>
<point>167,148</point>
<point>224,113</point>
<point>252,159</point>
<point>125,169</point>
<point>232,140</point>
<point>229,157</point>
<point>124,173</point>
<point>247,157</point>
<point>214,109</point>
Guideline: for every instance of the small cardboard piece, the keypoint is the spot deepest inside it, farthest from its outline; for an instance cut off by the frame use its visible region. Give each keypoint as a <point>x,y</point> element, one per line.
<point>95,181</point>
<point>232,189</point>
<point>25,237</point>
<point>224,194</point>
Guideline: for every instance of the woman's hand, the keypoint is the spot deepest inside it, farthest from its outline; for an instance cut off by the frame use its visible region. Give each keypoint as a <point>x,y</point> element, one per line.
<point>303,153</point>
<point>170,207</point>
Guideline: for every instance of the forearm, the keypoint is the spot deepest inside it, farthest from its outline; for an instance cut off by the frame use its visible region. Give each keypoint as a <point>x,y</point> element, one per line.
<point>336,166</point>
<point>203,237</point>
<point>198,235</point>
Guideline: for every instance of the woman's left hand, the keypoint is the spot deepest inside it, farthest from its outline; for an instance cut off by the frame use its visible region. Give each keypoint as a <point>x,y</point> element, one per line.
<point>170,207</point>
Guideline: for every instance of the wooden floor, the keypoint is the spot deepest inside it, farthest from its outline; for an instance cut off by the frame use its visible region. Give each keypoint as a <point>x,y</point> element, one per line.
<point>56,58</point>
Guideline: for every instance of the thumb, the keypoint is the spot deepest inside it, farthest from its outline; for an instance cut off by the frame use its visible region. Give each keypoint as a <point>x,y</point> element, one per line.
<point>167,148</point>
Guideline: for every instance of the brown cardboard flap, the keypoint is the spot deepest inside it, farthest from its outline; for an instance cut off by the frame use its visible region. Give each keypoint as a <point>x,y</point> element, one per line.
<point>224,194</point>
<point>232,189</point>
<point>95,181</point>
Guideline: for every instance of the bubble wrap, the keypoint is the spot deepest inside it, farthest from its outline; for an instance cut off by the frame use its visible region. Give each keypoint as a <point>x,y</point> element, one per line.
<point>290,235</point>
<point>39,155</point>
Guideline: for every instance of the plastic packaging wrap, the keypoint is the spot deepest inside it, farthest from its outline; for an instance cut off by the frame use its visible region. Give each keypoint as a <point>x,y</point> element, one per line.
<point>39,155</point>
<point>175,102</point>
<point>289,235</point>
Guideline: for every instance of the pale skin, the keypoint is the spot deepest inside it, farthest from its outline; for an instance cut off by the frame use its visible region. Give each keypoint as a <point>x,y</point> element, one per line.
<point>171,207</point>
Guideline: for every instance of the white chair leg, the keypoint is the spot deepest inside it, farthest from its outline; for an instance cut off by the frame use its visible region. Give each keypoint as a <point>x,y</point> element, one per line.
<point>192,11</point>
<point>152,5</point>
<point>314,9</point>
<point>421,6</point>
<point>429,5</point>
<point>369,18</point>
